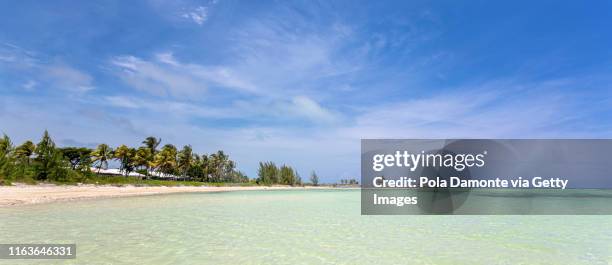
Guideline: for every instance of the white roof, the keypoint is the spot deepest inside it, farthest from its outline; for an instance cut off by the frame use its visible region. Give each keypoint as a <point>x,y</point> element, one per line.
<point>163,175</point>
<point>115,171</point>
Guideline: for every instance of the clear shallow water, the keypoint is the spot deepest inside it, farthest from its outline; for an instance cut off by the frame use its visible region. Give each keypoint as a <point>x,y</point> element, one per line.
<point>296,227</point>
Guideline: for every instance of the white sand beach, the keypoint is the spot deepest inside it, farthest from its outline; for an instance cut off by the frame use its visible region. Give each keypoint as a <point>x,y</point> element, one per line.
<point>43,193</point>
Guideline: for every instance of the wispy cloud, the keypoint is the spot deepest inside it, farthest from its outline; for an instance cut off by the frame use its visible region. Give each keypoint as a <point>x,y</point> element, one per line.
<point>16,57</point>
<point>198,15</point>
<point>310,109</point>
<point>495,109</point>
<point>68,78</point>
<point>296,82</point>
<point>42,71</point>
<point>281,53</point>
<point>29,85</point>
<point>122,102</point>
<point>257,110</point>
<point>164,75</point>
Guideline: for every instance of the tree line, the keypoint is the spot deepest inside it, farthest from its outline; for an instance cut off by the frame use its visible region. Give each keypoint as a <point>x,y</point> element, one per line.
<point>269,173</point>
<point>47,162</point>
<point>349,182</point>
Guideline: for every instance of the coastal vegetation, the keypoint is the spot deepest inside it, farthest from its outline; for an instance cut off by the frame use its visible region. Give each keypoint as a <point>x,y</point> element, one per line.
<point>314,179</point>
<point>269,174</point>
<point>148,164</point>
<point>349,182</point>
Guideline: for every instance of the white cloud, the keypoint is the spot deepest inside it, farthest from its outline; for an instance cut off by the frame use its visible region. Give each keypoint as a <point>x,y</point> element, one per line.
<point>514,110</point>
<point>167,57</point>
<point>274,63</point>
<point>170,107</point>
<point>167,76</point>
<point>286,55</point>
<point>510,110</point>
<point>310,109</point>
<point>29,85</point>
<point>198,15</point>
<point>298,108</point>
<point>123,102</point>
<point>155,78</point>
<point>68,78</point>
<point>42,73</point>
<point>7,58</point>
<point>16,57</point>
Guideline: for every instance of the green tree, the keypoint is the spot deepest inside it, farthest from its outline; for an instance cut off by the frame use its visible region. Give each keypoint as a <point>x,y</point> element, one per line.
<point>125,156</point>
<point>45,156</point>
<point>220,167</point>
<point>130,165</point>
<point>25,150</point>
<point>6,163</point>
<point>143,158</point>
<point>288,176</point>
<point>204,168</point>
<point>45,161</point>
<point>267,173</point>
<point>22,154</point>
<point>165,160</point>
<point>6,145</point>
<point>79,157</point>
<point>239,177</point>
<point>314,179</point>
<point>185,160</point>
<point>298,179</point>
<point>196,170</point>
<point>49,161</point>
<point>101,156</point>
<point>152,143</point>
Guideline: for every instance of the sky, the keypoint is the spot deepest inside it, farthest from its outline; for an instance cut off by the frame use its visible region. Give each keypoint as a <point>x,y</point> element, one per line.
<point>301,82</point>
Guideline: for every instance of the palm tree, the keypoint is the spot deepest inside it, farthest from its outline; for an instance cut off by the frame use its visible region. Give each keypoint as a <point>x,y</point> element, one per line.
<point>142,157</point>
<point>5,145</point>
<point>25,151</point>
<point>5,158</point>
<point>185,160</point>
<point>220,166</point>
<point>152,143</point>
<point>122,153</point>
<point>102,155</point>
<point>165,159</point>
<point>45,161</point>
<point>207,166</point>
<point>214,165</point>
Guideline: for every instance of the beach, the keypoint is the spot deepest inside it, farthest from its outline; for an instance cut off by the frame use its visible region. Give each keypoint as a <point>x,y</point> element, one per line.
<point>21,194</point>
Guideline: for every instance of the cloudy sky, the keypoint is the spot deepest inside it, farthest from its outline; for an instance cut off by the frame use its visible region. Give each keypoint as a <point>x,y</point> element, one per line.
<point>302,82</point>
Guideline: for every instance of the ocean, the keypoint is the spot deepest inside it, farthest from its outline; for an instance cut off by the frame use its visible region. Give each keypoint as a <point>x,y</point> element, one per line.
<point>296,227</point>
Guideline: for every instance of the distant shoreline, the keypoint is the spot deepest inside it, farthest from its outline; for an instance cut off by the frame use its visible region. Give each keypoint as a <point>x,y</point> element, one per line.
<point>22,194</point>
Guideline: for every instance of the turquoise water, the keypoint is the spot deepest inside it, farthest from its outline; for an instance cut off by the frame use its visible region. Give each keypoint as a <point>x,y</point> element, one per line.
<point>296,227</point>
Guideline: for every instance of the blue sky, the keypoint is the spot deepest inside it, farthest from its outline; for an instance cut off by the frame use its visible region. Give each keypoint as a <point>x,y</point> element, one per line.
<point>301,82</point>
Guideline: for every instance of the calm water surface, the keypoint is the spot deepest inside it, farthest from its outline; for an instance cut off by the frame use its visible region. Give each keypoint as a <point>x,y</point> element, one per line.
<point>296,227</point>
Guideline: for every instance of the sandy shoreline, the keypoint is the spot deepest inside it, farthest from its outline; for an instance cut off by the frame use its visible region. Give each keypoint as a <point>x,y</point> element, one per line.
<point>45,193</point>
